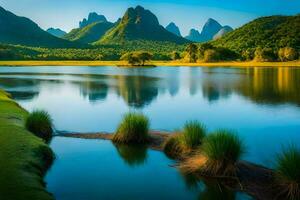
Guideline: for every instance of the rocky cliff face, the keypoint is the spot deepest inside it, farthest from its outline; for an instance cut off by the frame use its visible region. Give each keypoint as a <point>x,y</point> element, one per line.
<point>92,18</point>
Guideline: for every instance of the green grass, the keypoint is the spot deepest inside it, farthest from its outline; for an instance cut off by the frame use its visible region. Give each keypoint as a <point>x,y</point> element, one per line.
<point>24,158</point>
<point>188,140</point>
<point>134,128</point>
<point>288,173</point>
<point>39,122</point>
<point>193,134</point>
<point>222,150</point>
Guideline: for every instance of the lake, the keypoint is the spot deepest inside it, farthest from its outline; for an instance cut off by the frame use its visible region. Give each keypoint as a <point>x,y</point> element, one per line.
<point>261,104</point>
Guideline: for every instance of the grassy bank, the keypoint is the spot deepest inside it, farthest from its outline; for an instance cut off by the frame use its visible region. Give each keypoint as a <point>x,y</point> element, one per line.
<point>157,63</point>
<point>24,158</point>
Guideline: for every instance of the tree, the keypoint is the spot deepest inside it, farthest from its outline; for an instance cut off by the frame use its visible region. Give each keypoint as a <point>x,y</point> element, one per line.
<point>192,51</point>
<point>264,55</point>
<point>143,56</point>
<point>175,55</point>
<point>203,48</point>
<point>131,58</point>
<point>287,54</point>
<point>211,55</point>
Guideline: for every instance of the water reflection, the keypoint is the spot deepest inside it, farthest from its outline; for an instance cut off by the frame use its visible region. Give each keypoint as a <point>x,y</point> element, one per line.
<point>208,189</point>
<point>260,85</point>
<point>133,155</point>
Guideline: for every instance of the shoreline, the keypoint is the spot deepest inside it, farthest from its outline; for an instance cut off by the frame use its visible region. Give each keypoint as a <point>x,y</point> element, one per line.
<point>253,179</point>
<point>24,157</point>
<point>155,63</point>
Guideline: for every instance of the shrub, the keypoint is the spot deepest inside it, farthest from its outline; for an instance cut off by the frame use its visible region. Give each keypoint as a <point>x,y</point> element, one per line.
<point>288,173</point>
<point>222,150</point>
<point>39,122</point>
<point>134,128</point>
<point>193,134</point>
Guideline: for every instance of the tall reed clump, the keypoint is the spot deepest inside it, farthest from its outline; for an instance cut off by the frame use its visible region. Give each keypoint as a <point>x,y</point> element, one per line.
<point>218,155</point>
<point>193,134</point>
<point>134,128</point>
<point>39,122</point>
<point>288,173</point>
<point>188,140</point>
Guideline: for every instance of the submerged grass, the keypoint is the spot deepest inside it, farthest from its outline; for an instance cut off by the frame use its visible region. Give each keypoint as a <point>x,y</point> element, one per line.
<point>24,158</point>
<point>39,122</point>
<point>134,128</point>
<point>218,155</point>
<point>288,173</point>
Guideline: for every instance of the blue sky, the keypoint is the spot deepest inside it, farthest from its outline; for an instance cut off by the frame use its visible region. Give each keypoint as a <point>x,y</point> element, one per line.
<point>187,14</point>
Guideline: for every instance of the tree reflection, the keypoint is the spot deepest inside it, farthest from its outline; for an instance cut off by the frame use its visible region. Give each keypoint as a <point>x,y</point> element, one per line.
<point>261,85</point>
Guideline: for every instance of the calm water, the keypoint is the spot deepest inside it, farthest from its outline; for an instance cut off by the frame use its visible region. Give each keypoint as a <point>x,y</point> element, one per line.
<point>261,104</point>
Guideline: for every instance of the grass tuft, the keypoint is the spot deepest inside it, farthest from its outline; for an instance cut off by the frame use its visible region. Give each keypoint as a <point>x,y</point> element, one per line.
<point>173,147</point>
<point>222,149</point>
<point>134,128</point>
<point>288,173</point>
<point>191,137</point>
<point>39,122</point>
<point>218,155</point>
<point>193,134</point>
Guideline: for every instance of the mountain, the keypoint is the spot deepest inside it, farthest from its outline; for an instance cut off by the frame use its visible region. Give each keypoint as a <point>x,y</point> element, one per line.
<point>173,29</point>
<point>23,31</point>
<point>194,36</point>
<point>89,33</point>
<point>139,24</point>
<point>268,32</point>
<point>92,18</point>
<point>210,29</point>
<point>56,32</point>
<point>222,32</point>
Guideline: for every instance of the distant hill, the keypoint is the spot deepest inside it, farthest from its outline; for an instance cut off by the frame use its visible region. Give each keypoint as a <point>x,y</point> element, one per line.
<point>139,24</point>
<point>194,36</point>
<point>173,29</point>
<point>56,32</point>
<point>92,18</point>
<point>222,32</point>
<point>267,32</point>
<point>210,30</point>
<point>90,33</point>
<point>23,31</point>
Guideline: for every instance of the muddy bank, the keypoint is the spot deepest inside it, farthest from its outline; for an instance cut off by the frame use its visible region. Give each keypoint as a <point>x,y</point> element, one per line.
<point>255,180</point>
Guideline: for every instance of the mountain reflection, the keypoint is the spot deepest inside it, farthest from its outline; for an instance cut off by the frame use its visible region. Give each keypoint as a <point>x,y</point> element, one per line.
<point>139,88</point>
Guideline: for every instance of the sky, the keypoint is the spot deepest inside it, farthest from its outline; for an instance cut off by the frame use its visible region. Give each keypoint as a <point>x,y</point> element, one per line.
<point>187,14</point>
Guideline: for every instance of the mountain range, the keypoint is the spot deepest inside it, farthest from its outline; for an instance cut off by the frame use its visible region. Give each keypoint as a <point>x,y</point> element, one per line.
<point>139,24</point>
<point>173,28</point>
<point>56,32</point>
<point>267,32</point>
<point>211,30</point>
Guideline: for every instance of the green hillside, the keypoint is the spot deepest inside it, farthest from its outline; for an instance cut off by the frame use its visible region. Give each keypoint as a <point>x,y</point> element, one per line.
<point>90,33</point>
<point>23,31</point>
<point>267,32</point>
<point>139,24</point>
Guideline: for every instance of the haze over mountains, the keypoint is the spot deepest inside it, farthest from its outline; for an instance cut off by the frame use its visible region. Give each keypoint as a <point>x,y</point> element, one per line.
<point>212,29</point>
